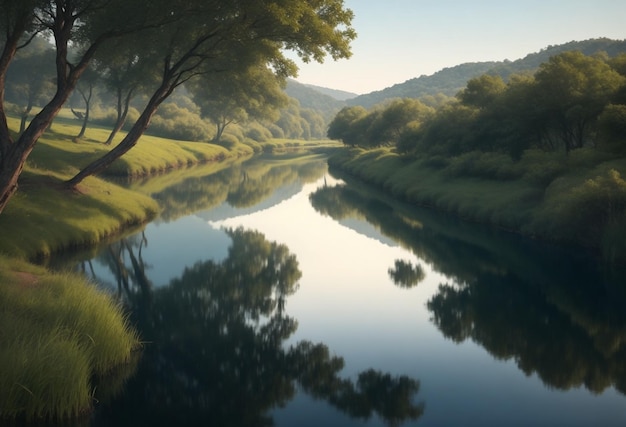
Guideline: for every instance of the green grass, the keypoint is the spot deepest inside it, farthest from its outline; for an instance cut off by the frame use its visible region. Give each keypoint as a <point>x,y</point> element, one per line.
<point>577,199</point>
<point>57,332</point>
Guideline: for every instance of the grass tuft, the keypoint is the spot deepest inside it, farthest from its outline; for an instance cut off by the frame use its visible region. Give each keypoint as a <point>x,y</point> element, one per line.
<point>57,333</point>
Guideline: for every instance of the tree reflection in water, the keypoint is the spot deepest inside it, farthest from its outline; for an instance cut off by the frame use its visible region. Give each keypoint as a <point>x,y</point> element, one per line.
<point>215,349</point>
<point>554,312</point>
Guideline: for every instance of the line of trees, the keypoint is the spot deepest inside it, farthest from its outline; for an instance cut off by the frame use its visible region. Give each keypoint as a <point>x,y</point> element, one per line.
<point>167,43</point>
<point>572,101</point>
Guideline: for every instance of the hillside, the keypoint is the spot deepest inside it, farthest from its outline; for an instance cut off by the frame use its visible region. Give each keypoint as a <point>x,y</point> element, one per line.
<point>340,95</point>
<point>314,99</point>
<point>450,80</point>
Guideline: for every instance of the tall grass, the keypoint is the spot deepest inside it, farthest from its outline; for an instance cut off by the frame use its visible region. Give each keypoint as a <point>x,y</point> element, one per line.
<point>56,333</point>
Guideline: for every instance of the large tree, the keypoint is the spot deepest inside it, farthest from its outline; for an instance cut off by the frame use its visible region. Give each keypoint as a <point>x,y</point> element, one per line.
<point>226,37</point>
<point>84,23</point>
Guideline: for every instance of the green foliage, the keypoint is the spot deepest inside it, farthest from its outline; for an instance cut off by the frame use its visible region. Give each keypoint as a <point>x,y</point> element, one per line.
<point>592,210</point>
<point>257,132</point>
<point>482,91</point>
<point>174,122</point>
<point>449,81</point>
<point>496,166</point>
<point>612,129</point>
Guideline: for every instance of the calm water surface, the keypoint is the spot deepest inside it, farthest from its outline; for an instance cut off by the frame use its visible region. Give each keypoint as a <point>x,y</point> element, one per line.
<point>278,294</point>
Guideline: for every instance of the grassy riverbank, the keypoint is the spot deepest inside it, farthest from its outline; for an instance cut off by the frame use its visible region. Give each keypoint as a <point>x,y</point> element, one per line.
<point>58,331</point>
<point>577,199</point>
<point>57,334</point>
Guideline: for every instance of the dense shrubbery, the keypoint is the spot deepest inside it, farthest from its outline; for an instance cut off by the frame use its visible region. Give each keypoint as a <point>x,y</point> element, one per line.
<point>542,154</point>
<point>573,101</point>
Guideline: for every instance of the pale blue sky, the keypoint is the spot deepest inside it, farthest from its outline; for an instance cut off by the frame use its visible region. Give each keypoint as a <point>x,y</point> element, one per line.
<point>402,39</point>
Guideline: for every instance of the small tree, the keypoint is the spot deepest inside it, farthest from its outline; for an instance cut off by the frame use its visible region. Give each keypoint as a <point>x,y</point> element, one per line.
<point>226,98</point>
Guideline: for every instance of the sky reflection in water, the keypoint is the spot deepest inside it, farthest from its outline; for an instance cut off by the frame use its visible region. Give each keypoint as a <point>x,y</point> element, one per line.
<point>347,301</point>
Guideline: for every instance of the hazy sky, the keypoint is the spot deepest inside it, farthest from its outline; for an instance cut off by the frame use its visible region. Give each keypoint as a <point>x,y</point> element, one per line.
<point>402,39</point>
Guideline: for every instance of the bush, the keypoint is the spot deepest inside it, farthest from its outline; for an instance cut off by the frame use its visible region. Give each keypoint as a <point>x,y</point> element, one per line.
<point>489,165</point>
<point>174,122</point>
<point>257,133</point>
<point>587,212</point>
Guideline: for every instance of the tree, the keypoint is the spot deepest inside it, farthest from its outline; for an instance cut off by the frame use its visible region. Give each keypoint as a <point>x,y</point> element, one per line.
<point>342,126</point>
<point>388,126</point>
<point>85,87</point>
<point>84,23</point>
<point>572,90</point>
<point>229,36</point>
<point>225,98</point>
<point>30,77</point>
<point>481,91</point>
<point>124,73</point>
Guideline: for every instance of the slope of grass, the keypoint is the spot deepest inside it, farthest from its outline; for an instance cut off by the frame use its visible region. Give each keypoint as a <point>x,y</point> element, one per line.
<point>577,199</point>
<point>57,333</point>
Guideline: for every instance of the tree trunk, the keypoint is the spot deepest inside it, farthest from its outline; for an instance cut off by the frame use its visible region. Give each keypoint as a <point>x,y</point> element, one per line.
<point>87,98</point>
<point>129,141</point>
<point>122,113</point>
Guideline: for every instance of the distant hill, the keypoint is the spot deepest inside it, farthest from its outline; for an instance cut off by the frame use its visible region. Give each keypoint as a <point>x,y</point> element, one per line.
<point>339,95</point>
<point>450,80</point>
<point>313,98</point>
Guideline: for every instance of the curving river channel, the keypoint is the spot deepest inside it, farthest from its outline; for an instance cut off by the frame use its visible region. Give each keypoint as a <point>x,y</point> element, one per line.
<point>275,292</point>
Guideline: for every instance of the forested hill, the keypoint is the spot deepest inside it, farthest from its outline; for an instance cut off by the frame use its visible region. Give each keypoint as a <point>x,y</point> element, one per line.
<point>314,98</point>
<point>450,80</point>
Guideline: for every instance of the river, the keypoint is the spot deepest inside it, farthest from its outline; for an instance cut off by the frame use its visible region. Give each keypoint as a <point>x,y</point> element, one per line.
<point>277,293</point>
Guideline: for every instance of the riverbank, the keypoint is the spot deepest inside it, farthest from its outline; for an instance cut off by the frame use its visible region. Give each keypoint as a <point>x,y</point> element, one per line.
<point>578,199</point>
<point>44,217</point>
<point>59,332</point>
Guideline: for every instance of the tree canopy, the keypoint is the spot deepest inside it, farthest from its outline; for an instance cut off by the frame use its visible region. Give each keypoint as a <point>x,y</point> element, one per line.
<point>183,39</point>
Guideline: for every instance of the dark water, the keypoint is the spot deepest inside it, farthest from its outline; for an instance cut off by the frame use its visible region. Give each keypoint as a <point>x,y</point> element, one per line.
<point>279,294</point>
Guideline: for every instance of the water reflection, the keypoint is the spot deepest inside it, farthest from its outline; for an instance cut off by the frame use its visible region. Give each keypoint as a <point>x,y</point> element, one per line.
<point>215,350</point>
<point>548,309</point>
<point>242,185</point>
<point>406,275</point>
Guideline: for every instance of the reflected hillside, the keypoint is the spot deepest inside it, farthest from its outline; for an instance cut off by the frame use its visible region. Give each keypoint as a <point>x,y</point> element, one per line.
<point>555,313</point>
<point>215,350</point>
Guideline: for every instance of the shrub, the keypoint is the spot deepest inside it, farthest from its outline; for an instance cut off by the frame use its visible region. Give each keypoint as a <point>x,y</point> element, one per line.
<point>489,165</point>
<point>587,212</point>
<point>257,133</point>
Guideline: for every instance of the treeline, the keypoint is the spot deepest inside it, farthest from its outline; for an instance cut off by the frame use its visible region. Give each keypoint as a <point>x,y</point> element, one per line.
<point>252,106</point>
<point>543,154</point>
<point>572,101</point>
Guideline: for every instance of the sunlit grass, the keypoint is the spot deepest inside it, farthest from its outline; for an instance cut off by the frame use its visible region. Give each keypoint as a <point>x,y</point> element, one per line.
<point>577,198</point>
<point>57,332</point>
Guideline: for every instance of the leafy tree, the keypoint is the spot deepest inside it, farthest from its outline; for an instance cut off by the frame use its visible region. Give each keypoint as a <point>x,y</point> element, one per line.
<point>290,121</point>
<point>342,126</point>
<point>85,23</point>
<point>124,72</point>
<point>572,90</point>
<point>482,91</point>
<point>230,36</point>
<point>388,125</point>
<point>612,129</point>
<point>225,98</point>
<point>188,38</point>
